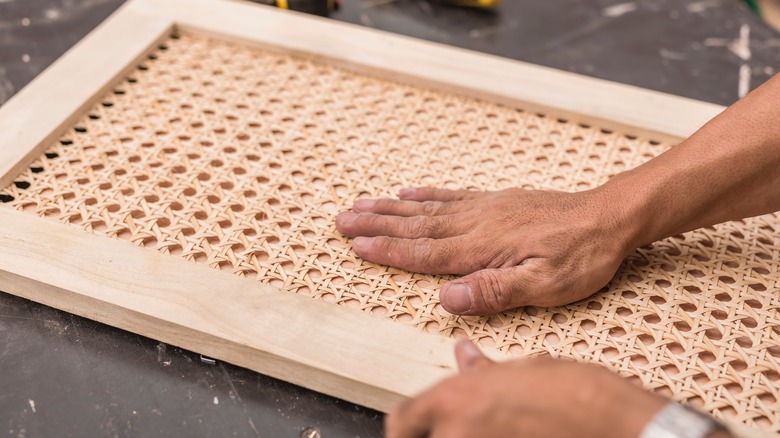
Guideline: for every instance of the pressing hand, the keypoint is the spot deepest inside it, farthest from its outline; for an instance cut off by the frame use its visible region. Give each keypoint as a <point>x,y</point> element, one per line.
<point>515,247</point>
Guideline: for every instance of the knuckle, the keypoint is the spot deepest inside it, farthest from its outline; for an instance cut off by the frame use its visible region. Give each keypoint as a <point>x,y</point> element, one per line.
<point>367,220</point>
<point>496,294</point>
<point>394,251</point>
<point>419,226</point>
<point>421,251</point>
<point>430,208</point>
<point>382,244</point>
<point>421,248</point>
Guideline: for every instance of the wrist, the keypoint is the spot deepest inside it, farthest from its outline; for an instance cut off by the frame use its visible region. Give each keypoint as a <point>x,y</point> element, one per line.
<point>680,421</point>
<point>625,214</point>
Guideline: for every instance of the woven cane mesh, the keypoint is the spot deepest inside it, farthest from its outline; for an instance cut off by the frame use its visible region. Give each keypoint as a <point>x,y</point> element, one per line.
<point>241,158</point>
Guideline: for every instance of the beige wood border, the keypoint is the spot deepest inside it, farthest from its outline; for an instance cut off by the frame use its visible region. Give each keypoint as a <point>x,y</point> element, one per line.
<point>329,348</point>
<point>314,344</point>
<point>39,112</point>
<point>53,100</point>
<point>450,69</point>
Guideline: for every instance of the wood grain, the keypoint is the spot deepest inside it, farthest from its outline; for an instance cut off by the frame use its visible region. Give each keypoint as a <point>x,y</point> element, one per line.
<point>324,347</point>
<point>314,344</point>
<point>318,345</point>
<point>579,98</point>
<point>54,99</point>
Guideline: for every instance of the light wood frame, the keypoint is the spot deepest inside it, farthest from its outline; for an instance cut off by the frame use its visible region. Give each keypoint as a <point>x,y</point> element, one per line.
<point>318,345</point>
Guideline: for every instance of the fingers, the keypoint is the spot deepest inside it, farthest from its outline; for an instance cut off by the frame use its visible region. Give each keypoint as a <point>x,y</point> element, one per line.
<point>430,194</point>
<point>488,291</point>
<point>469,356</point>
<point>408,219</point>
<point>430,414</point>
<point>395,207</point>
<point>432,256</point>
<point>370,225</point>
<point>413,418</point>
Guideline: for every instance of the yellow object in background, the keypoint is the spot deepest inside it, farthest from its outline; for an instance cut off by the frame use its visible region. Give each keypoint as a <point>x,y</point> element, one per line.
<point>472,3</point>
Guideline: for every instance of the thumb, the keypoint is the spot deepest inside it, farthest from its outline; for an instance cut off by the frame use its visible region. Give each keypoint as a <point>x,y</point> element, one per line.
<point>469,356</point>
<point>486,292</point>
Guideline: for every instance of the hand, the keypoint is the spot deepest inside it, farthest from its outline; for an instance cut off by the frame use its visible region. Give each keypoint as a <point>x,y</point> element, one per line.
<point>520,247</point>
<point>534,398</point>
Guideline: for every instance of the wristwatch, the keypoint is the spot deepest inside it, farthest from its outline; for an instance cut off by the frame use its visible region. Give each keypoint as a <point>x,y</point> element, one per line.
<point>679,421</point>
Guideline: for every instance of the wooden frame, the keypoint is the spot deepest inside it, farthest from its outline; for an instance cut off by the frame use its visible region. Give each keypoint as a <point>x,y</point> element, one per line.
<point>324,347</point>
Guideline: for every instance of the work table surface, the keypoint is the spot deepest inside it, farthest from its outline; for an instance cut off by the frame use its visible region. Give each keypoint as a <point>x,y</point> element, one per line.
<point>62,375</point>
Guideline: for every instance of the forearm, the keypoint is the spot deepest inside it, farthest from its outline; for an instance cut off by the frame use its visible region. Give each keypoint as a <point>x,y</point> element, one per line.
<point>729,169</point>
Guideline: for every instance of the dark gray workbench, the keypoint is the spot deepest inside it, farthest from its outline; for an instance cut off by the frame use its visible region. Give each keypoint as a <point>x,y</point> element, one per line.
<point>61,375</point>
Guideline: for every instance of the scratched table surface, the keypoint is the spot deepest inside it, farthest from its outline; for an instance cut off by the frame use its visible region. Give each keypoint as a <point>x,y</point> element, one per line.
<point>61,375</point>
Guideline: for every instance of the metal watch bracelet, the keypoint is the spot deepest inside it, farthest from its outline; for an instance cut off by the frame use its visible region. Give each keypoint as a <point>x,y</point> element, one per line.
<point>679,421</point>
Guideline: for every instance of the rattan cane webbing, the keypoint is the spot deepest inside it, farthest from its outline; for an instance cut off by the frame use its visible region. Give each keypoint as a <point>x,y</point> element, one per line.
<point>241,159</point>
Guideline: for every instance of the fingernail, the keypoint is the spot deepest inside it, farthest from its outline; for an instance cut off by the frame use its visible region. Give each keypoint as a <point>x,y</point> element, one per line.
<point>361,243</point>
<point>406,192</point>
<point>346,218</point>
<point>457,298</point>
<point>468,356</point>
<point>469,349</point>
<point>364,204</point>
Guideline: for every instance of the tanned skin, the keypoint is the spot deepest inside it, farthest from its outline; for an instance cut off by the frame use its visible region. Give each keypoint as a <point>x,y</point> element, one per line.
<point>522,247</point>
